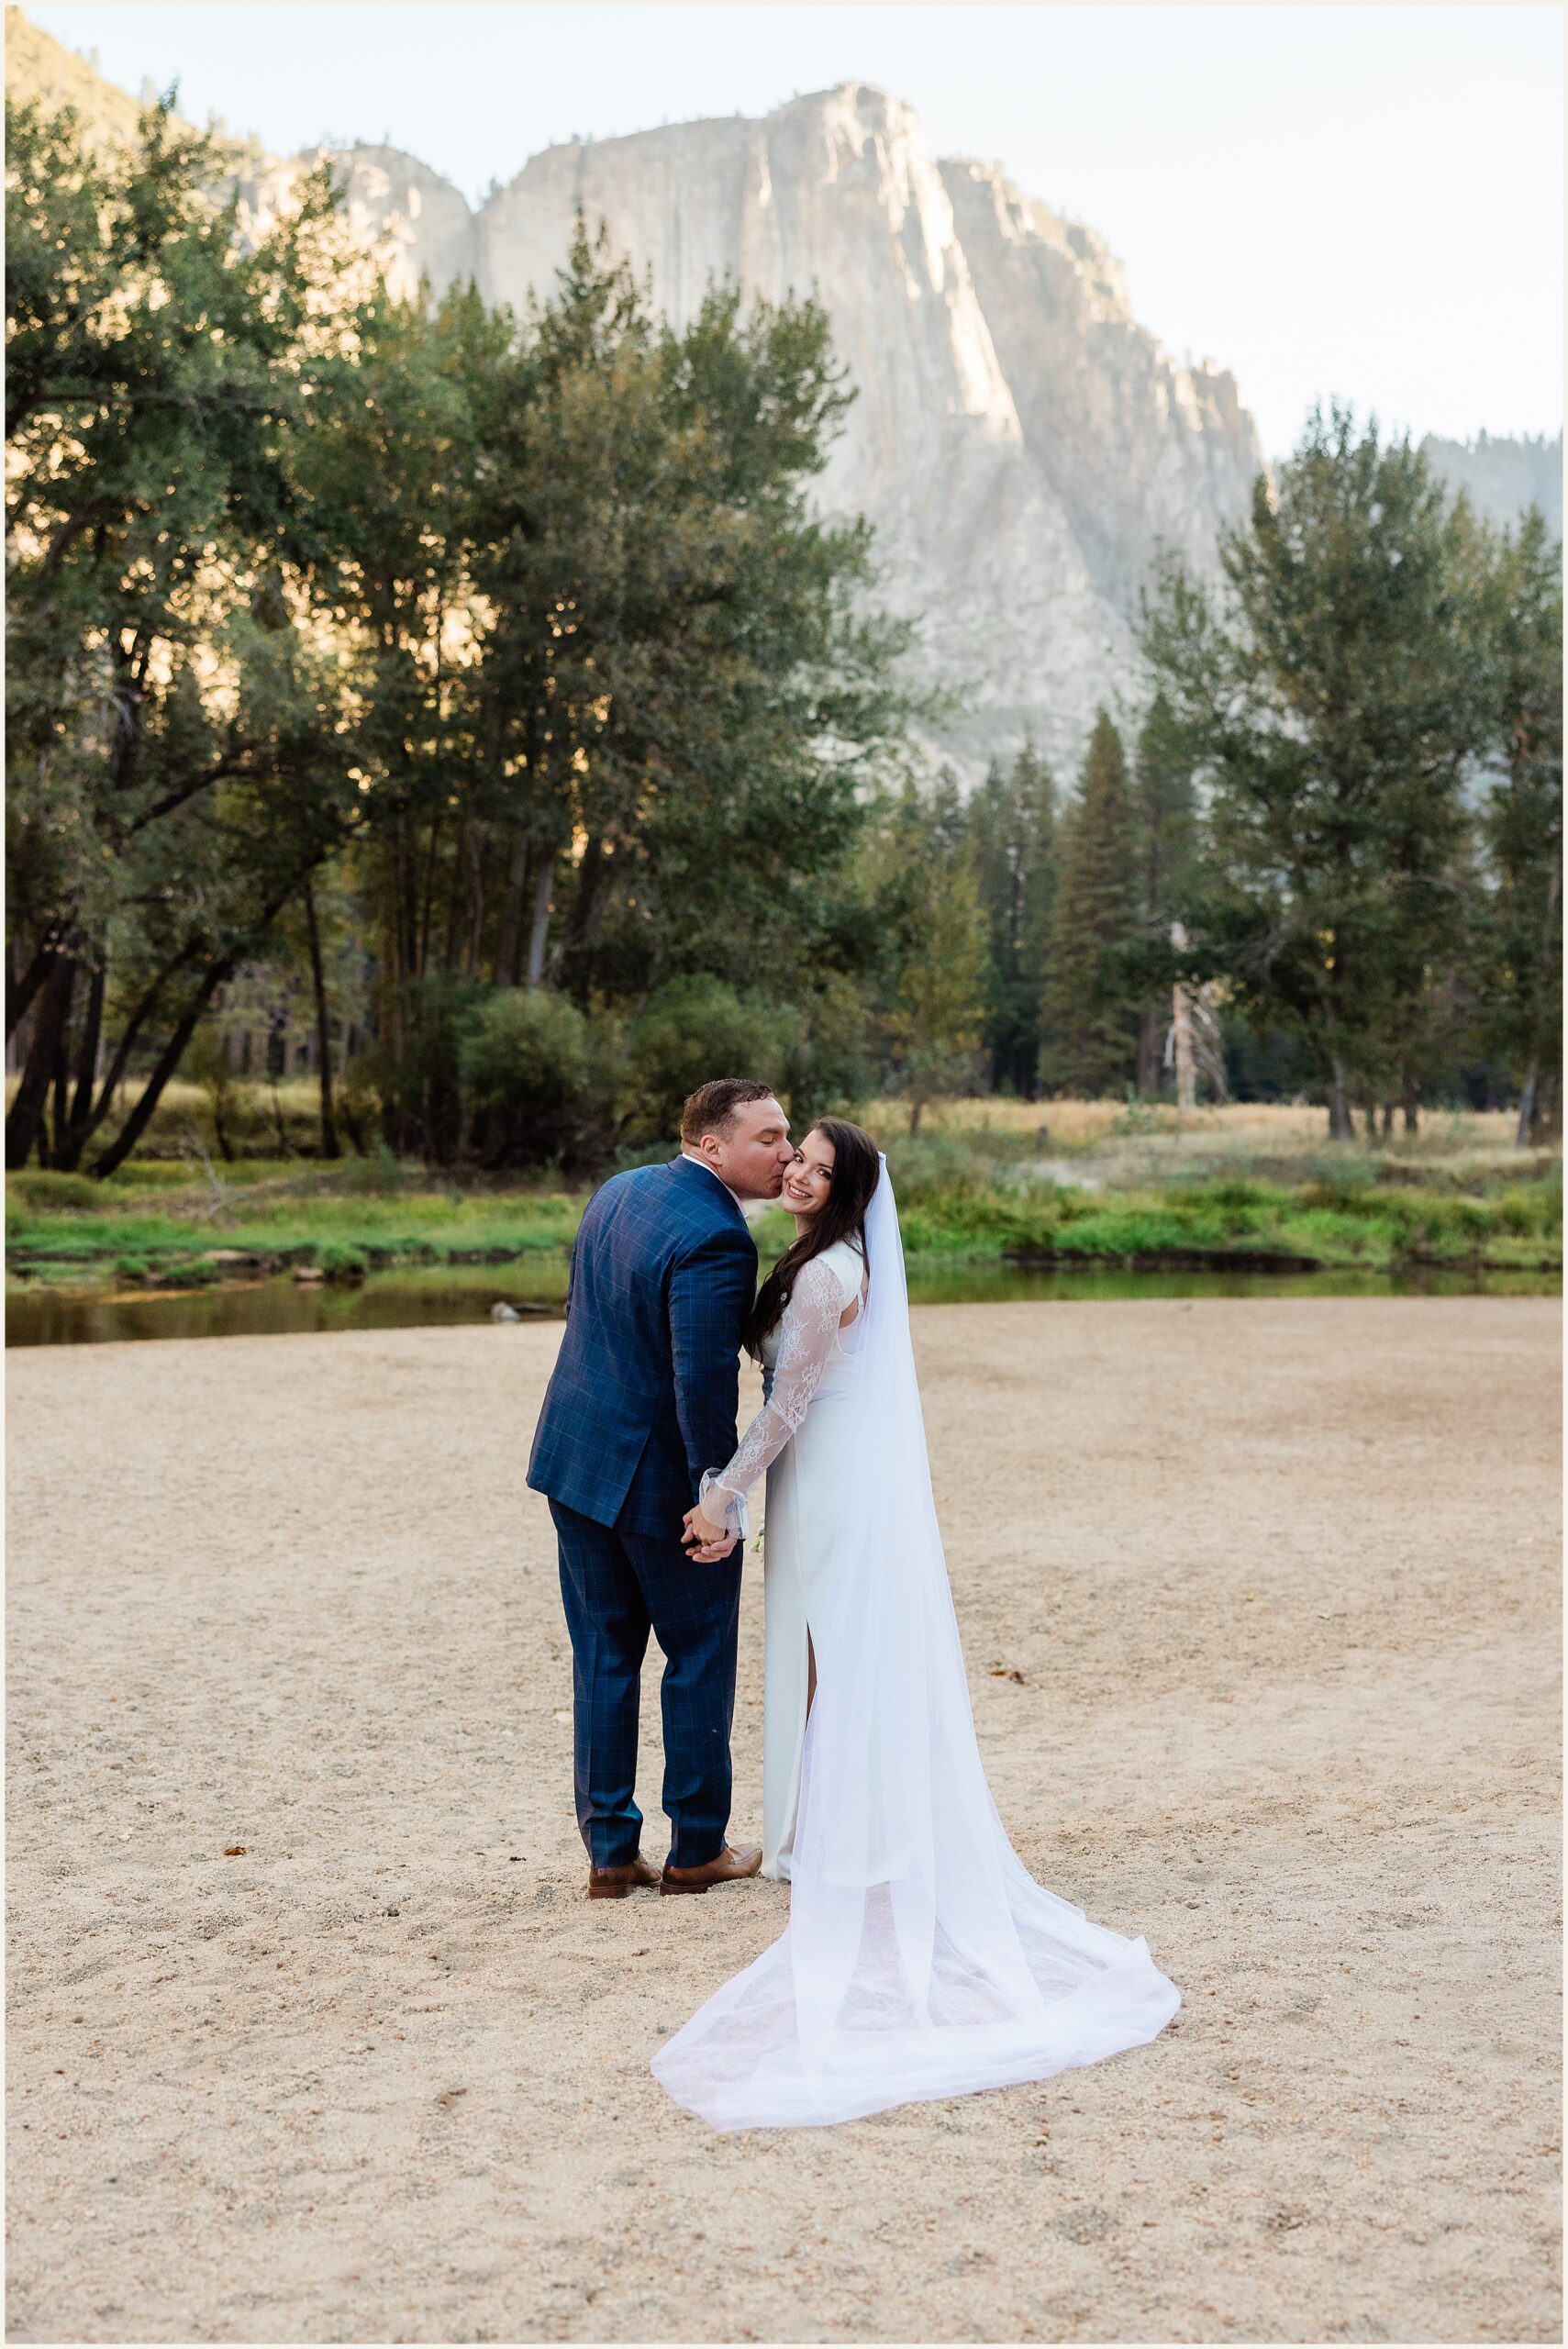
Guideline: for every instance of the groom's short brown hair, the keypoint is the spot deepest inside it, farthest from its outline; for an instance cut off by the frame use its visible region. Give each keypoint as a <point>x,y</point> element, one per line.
<point>711,1108</point>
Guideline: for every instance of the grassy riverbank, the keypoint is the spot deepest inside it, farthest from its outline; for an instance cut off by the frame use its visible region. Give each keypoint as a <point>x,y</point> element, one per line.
<point>1055,1183</point>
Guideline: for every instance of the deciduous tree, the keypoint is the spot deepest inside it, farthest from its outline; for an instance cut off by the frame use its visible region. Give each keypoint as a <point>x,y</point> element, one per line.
<point>171,711</point>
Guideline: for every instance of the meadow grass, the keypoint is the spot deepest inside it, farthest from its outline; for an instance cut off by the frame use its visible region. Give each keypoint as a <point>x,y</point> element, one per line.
<point>342,1235</point>
<point>1381,1229</point>
<point>983,1181</point>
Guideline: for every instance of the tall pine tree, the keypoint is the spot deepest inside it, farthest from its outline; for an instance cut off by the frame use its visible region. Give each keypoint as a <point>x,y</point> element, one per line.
<point>1090,1041</point>
<point>1012,824</point>
<point>1165,821</point>
<point>931,934</point>
<point>1337,696</point>
<point>1519,928</point>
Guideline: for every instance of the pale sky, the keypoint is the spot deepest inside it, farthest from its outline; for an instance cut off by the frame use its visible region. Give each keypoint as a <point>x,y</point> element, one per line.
<point>1357,199</point>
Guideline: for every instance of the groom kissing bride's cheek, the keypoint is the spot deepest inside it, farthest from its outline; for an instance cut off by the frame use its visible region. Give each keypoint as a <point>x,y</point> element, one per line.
<point>641,1402</point>
<point>921,1959</point>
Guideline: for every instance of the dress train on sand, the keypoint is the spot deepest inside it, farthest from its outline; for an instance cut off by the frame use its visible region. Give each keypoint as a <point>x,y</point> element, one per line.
<point>920,1958</point>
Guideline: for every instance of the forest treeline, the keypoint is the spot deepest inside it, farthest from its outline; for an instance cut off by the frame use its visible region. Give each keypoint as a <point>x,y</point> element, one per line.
<point>487,686</point>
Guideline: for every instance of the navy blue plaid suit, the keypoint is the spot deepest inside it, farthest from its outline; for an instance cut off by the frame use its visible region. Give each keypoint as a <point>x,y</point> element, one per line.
<point>642,1399</point>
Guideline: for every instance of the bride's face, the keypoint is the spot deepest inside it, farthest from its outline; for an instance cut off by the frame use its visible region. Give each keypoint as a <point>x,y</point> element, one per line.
<point>809,1178</point>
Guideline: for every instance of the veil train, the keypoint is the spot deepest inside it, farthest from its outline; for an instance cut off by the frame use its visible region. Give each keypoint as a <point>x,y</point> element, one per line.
<point>920,1958</point>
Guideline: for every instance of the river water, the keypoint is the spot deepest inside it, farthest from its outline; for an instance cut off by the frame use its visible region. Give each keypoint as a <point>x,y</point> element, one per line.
<point>428,1296</point>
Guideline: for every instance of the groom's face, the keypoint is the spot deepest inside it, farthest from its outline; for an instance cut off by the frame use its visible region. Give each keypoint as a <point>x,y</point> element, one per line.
<point>753,1155</point>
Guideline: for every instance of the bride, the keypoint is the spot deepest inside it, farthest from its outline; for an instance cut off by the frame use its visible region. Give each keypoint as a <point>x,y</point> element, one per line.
<point>920,1958</point>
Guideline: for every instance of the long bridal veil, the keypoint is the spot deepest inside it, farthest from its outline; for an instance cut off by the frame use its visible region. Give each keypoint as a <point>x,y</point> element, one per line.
<point>920,1958</point>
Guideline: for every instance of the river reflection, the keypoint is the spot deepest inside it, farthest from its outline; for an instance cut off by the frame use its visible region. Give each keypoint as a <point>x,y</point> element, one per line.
<point>434,1296</point>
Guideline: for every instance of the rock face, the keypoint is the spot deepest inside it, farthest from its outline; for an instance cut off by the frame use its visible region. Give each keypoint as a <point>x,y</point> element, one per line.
<point>1502,478</point>
<point>1020,442</point>
<point>417,221</point>
<point>39,70</point>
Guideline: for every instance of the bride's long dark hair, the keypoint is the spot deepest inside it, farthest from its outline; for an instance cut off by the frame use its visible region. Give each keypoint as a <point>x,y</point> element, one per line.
<point>842,1215</point>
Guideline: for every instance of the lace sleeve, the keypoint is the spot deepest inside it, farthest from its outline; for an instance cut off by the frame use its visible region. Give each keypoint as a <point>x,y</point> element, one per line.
<point>806,1340</point>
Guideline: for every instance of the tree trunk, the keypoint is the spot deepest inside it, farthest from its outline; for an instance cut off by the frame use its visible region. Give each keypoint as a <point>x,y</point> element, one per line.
<point>91,1048</point>
<point>422,944</point>
<point>1525,1133</point>
<point>1340,1126</point>
<point>405,960</point>
<point>1151,1024</point>
<point>477,840</point>
<point>21,989</point>
<point>330,1148</point>
<point>220,1132</point>
<point>539,933</point>
<point>1540,1109</point>
<point>392,965</point>
<point>59,1149</point>
<point>454,896</point>
<point>1410,1102</point>
<point>115,1079</point>
<point>509,961</point>
<point>24,1124</point>
<point>1186,1063</point>
<point>1387,1133</point>
<point>593,879</point>
<point>136,1125</point>
<point>73,1128</point>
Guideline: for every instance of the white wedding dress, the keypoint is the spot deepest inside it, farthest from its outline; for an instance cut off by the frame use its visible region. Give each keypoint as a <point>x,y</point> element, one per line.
<point>921,1959</point>
<point>803,1437</point>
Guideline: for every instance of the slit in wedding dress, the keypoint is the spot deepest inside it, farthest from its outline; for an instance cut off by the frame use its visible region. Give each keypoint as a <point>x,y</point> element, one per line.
<point>786,1842</point>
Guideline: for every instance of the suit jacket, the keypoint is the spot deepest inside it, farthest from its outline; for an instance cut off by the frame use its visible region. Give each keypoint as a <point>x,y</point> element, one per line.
<point>645,1388</point>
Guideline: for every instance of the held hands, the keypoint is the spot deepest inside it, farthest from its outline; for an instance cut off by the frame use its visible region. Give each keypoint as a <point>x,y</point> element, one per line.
<point>705,1542</point>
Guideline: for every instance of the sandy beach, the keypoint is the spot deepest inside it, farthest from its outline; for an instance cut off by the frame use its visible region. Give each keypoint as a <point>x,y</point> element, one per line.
<point>1260,1605</point>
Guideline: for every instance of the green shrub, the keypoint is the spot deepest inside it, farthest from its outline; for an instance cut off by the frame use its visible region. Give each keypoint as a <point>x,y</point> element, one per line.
<point>378,1175</point>
<point>360,1112</point>
<point>980,1223</point>
<point>941,1164</point>
<point>412,1071</point>
<point>85,1238</point>
<point>233,1114</point>
<point>1351,1194</point>
<point>37,1192</point>
<point>1530,1214</point>
<point>826,1070</point>
<point>192,1274</point>
<point>1234,1191</point>
<point>339,1259</point>
<point>539,1079</point>
<point>691,1031</point>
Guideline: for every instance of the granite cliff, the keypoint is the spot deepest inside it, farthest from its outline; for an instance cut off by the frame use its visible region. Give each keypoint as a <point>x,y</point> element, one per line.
<point>1019,442</point>
<point>1503,478</point>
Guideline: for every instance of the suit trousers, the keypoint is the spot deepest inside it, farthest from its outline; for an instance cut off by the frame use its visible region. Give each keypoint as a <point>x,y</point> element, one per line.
<point>615,1586</point>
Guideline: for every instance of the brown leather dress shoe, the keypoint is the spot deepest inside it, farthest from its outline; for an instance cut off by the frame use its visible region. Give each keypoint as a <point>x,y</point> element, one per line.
<point>614,1883</point>
<point>727,1868</point>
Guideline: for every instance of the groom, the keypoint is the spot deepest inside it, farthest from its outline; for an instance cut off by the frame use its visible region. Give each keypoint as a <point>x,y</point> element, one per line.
<point>642,1398</point>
